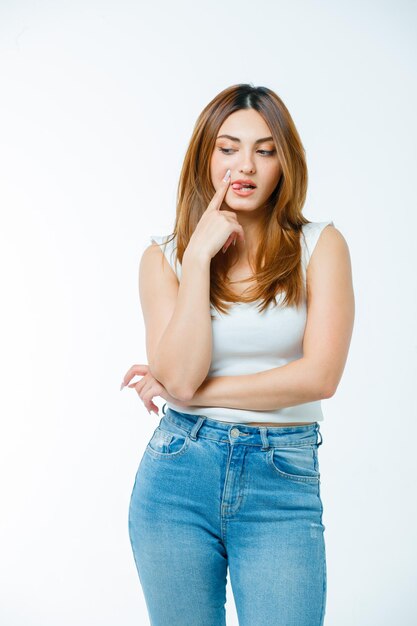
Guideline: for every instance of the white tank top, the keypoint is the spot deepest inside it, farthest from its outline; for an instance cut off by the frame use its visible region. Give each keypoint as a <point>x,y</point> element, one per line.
<point>246,342</point>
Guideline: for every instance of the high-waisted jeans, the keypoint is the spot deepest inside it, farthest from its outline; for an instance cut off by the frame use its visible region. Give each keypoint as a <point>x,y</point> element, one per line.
<point>212,495</point>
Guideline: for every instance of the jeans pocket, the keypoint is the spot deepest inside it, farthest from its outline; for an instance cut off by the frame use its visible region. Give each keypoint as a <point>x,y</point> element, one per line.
<point>168,443</point>
<point>297,463</point>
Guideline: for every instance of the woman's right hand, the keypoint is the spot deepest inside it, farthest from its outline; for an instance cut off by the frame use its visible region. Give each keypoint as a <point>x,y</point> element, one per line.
<point>216,228</point>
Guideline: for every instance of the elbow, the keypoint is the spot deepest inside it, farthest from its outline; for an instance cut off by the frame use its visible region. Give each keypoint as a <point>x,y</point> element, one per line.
<point>321,380</point>
<point>173,387</point>
<point>328,389</point>
<point>183,390</point>
<point>183,395</point>
<point>327,393</point>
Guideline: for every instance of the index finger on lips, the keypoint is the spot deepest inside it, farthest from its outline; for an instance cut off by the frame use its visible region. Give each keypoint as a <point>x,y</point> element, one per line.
<point>218,197</point>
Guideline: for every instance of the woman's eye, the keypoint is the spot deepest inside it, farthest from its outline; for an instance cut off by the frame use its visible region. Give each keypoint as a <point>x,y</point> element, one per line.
<point>229,150</point>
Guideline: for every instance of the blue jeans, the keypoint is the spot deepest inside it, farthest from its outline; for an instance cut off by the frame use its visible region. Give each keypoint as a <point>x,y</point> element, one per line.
<point>212,495</point>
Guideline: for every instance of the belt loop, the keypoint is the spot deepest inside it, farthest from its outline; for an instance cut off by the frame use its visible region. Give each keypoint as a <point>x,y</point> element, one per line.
<point>319,433</point>
<point>196,427</point>
<point>264,437</point>
<point>164,412</point>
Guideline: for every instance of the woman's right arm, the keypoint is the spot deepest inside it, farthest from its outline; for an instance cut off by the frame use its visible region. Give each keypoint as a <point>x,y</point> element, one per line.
<point>177,315</point>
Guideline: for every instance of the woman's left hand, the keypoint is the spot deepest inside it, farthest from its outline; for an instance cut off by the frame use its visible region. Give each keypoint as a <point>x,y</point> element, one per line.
<point>148,387</point>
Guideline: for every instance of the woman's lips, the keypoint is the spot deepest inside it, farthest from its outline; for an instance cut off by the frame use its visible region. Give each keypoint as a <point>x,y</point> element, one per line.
<point>243,191</point>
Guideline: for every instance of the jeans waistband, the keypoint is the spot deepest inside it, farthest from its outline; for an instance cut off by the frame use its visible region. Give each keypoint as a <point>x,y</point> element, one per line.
<point>264,436</point>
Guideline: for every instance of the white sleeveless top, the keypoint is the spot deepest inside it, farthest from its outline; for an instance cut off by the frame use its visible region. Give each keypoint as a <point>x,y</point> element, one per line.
<point>246,342</point>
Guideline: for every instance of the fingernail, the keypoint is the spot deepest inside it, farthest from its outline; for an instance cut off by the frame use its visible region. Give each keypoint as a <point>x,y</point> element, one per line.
<point>226,178</point>
<point>122,385</point>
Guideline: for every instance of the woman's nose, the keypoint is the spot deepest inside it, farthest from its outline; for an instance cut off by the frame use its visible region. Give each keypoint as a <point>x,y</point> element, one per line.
<point>247,167</point>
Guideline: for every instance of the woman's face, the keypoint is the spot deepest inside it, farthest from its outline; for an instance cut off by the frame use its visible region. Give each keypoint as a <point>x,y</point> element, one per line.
<point>246,159</point>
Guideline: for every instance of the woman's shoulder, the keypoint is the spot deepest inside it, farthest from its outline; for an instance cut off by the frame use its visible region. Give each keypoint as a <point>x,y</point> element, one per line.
<point>311,233</point>
<point>333,245</point>
<point>314,228</point>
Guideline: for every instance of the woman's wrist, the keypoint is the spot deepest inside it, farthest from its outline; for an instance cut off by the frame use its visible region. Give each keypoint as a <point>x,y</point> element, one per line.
<point>192,256</point>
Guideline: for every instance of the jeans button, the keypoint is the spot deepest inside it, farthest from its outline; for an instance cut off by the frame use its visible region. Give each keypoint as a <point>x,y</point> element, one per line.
<point>235,432</point>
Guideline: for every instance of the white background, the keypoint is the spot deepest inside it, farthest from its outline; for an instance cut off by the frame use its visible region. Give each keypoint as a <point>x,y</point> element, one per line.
<point>98,101</point>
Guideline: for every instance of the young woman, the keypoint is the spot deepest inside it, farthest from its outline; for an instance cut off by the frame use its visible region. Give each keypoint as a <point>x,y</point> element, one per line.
<point>249,311</point>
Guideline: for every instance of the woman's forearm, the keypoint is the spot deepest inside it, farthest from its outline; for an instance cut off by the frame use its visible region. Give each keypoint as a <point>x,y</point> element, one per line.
<point>295,383</point>
<point>185,349</point>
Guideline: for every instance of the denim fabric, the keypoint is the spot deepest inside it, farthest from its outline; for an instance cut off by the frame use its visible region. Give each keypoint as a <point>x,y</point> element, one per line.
<point>212,495</point>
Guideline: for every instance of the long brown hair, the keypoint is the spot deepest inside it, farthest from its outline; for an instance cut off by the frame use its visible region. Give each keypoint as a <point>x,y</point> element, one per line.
<point>277,263</point>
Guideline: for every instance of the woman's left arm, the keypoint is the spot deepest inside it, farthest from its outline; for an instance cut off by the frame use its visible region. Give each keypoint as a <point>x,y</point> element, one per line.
<point>326,341</point>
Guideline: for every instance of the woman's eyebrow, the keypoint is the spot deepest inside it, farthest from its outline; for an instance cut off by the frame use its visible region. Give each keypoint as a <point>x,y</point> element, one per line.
<point>238,140</point>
